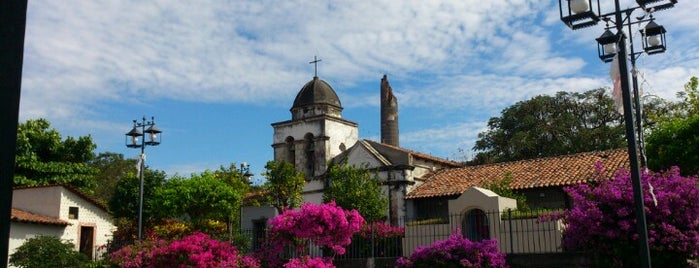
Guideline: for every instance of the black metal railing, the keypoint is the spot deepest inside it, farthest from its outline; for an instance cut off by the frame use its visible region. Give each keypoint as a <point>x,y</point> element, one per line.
<point>516,232</point>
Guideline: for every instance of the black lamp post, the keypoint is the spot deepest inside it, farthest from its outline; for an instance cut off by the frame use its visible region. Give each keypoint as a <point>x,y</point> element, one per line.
<point>153,139</point>
<point>245,171</point>
<point>578,14</point>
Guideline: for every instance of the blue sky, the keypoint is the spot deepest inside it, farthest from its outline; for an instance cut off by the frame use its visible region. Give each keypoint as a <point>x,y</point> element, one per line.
<point>215,74</point>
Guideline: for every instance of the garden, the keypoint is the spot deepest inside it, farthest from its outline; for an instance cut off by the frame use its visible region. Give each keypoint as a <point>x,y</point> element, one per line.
<point>601,224</point>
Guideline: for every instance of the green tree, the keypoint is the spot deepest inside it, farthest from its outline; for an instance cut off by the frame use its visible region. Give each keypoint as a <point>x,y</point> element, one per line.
<point>675,140</point>
<point>124,200</point>
<point>112,168</point>
<point>502,188</point>
<point>284,185</point>
<point>356,188</point>
<point>690,97</point>
<point>200,197</point>
<point>675,143</point>
<point>43,157</point>
<point>47,252</point>
<point>552,125</point>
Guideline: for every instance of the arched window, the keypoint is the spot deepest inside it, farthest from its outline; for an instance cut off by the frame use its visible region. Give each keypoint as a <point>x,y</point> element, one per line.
<point>310,154</point>
<point>475,225</point>
<point>291,150</point>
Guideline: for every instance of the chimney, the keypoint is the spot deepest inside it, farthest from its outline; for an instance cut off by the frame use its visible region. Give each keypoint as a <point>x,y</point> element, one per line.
<point>389,114</point>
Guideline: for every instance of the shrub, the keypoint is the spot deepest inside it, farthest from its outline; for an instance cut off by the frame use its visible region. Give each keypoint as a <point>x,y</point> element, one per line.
<point>308,262</point>
<point>603,223</point>
<point>325,225</point>
<point>196,250</point>
<point>456,251</point>
<point>47,252</point>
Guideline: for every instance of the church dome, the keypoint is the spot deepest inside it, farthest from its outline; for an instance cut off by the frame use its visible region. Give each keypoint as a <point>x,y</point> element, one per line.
<point>316,92</point>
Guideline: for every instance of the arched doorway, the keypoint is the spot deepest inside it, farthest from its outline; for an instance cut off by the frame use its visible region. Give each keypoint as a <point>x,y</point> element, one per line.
<point>475,225</point>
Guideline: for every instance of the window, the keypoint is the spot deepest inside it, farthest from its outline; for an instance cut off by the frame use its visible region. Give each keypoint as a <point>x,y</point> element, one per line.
<point>73,213</point>
<point>291,149</point>
<point>310,155</point>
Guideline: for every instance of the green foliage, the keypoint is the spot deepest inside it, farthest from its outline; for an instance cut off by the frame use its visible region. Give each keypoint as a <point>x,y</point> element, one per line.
<point>548,126</point>
<point>356,188</point>
<point>503,188</point>
<point>43,157</point>
<point>690,97</point>
<point>675,143</point>
<point>47,252</point>
<point>124,201</point>
<point>284,185</point>
<point>112,168</point>
<point>201,197</point>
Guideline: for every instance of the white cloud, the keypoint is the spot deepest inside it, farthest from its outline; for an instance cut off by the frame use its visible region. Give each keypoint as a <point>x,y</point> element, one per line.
<point>448,56</point>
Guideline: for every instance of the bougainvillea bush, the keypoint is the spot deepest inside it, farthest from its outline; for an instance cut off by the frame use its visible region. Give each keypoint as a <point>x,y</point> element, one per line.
<point>603,224</point>
<point>196,250</point>
<point>456,251</point>
<point>325,225</point>
<point>308,262</point>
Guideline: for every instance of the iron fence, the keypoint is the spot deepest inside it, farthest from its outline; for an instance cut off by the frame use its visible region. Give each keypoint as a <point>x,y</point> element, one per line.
<point>517,232</point>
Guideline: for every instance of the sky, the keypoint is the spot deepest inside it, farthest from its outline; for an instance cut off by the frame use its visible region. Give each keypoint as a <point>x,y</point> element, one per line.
<point>215,74</point>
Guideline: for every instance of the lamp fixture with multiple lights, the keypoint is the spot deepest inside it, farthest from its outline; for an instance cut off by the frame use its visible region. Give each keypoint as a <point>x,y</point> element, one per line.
<point>577,14</point>
<point>153,138</point>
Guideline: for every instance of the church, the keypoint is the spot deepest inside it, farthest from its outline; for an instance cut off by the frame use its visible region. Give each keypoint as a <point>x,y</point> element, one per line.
<point>317,134</point>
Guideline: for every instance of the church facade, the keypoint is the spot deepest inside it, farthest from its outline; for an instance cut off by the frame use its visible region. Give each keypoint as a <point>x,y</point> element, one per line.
<point>317,134</point>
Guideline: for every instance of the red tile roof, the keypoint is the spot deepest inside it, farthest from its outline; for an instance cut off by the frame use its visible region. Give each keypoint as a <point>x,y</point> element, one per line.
<point>543,172</point>
<point>19,215</point>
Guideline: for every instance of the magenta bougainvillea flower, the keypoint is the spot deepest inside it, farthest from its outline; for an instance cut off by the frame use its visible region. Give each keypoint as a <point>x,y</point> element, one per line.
<point>602,221</point>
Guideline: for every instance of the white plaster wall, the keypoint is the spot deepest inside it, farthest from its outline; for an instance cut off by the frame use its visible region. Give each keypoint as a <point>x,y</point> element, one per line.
<point>88,215</point>
<point>297,130</point>
<point>250,214</point>
<point>43,200</point>
<point>340,133</point>
<point>480,198</point>
<point>56,201</point>
<point>360,158</point>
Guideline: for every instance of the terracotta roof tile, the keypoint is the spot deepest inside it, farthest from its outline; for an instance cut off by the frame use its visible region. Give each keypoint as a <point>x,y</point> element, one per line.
<point>543,172</point>
<point>19,215</point>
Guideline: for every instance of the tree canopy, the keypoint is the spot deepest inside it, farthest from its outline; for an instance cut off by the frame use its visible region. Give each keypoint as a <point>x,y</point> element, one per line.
<point>124,201</point>
<point>43,157</point>
<point>675,140</point>
<point>356,188</point>
<point>112,168</point>
<point>200,197</point>
<point>552,125</point>
<point>284,185</point>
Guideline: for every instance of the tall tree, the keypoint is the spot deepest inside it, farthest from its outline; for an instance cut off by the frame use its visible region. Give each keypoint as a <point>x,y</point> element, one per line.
<point>356,188</point>
<point>675,141</point>
<point>200,197</point>
<point>43,157</point>
<point>124,201</point>
<point>284,185</point>
<point>552,125</point>
<point>112,168</point>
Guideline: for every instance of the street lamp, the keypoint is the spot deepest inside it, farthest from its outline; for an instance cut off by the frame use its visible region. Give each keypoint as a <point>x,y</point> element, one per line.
<point>153,137</point>
<point>245,171</point>
<point>578,14</point>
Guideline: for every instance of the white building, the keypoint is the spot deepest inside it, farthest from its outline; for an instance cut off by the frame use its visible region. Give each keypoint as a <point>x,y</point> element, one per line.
<point>63,212</point>
<point>317,134</point>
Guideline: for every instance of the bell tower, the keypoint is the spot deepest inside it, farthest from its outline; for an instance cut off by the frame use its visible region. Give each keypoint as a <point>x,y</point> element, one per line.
<point>315,134</point>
